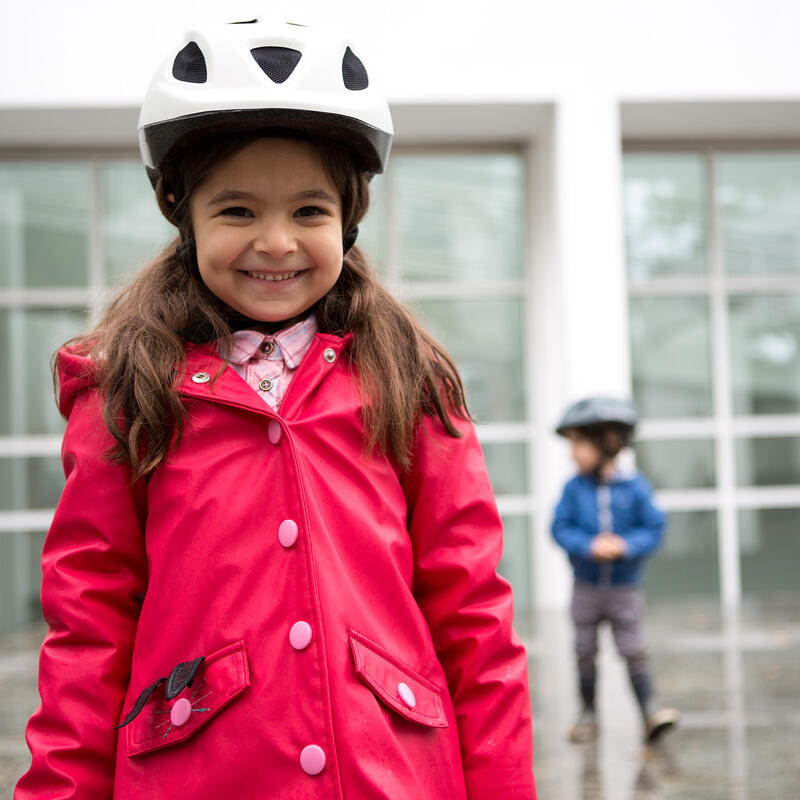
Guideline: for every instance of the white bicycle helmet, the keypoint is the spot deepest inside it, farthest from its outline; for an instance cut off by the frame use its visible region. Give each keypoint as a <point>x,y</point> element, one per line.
<point>256,75</point>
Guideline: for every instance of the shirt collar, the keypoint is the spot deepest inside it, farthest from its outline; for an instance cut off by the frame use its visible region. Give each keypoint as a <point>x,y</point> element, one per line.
<point>292,343</point>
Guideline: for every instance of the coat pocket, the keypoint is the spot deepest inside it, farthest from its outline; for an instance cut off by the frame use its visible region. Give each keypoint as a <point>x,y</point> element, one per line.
<point>221,677</point>
<point>398,686</point>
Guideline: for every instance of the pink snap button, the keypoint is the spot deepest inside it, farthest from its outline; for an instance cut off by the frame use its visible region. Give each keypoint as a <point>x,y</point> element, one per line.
<point>180,712</point>
<point>300,635</point>
<point>406,695</point>
<point>287,532</point>
<point>312,759</point>
<point>274,431</point>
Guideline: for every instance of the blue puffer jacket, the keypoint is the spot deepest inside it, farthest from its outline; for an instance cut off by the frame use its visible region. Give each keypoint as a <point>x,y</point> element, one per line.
<point>632,516</point>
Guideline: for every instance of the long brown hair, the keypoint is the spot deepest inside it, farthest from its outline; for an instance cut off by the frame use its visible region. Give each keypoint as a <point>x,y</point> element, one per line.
<point>139,352</point>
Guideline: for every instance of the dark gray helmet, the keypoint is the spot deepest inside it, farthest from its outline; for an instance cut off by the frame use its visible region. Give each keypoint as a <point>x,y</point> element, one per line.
<point>594,411</point>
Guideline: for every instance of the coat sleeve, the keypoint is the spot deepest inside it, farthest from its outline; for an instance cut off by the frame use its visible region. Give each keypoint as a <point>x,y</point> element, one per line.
<point>93,579</point>
<point>457,538</point>
<point>575,540</point>
<point>645,537</point>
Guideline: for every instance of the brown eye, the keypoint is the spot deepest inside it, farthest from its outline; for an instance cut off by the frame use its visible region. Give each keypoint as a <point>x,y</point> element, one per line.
<point>309,211</point>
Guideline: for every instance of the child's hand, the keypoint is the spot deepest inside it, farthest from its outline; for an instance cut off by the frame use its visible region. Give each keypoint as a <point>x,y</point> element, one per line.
<point>602,548</point>
<point>608,546</point>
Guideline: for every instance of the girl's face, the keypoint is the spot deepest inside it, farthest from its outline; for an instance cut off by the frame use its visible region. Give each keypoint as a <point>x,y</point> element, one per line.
<point>584,453</point>
<point>267,222</point>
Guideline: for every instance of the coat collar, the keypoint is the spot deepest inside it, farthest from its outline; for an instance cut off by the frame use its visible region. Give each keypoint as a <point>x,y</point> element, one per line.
<point>207,377</point>
<point>291,343</point>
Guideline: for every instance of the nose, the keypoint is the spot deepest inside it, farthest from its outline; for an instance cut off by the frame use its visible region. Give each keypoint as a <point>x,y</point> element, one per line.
<point>275,239</point>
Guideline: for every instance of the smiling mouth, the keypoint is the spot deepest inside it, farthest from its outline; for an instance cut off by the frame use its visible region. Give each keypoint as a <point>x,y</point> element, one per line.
<point>274,276</point>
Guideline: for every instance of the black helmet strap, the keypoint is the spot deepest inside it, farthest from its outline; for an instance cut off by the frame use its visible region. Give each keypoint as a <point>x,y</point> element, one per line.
<point>349,239</point>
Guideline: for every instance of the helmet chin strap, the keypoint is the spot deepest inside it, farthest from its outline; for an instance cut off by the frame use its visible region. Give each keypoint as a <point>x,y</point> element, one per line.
<point>202,332</point>
<point>349,239</point>
<point>598,471</point>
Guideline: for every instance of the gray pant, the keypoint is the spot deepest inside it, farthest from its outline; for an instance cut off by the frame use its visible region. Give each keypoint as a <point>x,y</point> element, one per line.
<point>623,608</point>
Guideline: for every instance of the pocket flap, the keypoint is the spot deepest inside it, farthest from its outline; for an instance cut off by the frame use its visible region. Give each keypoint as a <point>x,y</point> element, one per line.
<point>401,688</point>
<point>220,678</point>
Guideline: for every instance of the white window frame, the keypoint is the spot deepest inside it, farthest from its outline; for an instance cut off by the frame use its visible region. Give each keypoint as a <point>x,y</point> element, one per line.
<point>724,427</point>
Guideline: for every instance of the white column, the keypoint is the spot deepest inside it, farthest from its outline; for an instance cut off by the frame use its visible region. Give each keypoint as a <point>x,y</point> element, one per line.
<point>591,262</point>
<point>580,330</point>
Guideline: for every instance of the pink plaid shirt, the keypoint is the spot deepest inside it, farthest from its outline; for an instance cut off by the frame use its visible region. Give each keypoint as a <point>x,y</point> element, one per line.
<point>267,362</point>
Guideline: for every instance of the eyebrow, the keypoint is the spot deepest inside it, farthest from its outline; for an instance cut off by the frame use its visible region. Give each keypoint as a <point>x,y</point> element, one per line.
<point>228,195</point>
<point>317,194</point>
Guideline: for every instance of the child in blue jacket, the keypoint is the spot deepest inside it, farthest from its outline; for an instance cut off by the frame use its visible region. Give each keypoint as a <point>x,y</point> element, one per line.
<point>608,525</point>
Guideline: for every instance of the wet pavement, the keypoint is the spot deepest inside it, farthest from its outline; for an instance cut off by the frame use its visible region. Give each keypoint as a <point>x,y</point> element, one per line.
<point>734,677</point>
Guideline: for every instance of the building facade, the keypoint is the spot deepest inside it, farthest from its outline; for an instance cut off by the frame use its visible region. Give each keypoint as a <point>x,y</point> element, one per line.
<point>580,200</point>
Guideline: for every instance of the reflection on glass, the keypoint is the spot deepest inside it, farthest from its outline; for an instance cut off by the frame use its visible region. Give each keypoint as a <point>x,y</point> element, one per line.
<point>507,463</point>
<point>373,230</point>
<point>768,461</point>
<point>670,355</point>
<point>44,224</point>
<point>687,564</point>
<point>665,214</point>
<point>514,567</point>
<point>677,463</point>
<point>20,579</point>
<point>489,354</point>
<point>28,339</point>
<point>34,482</point>
<point>133,229</point>
<point>770,550</point>
<point>765,353</point>
<point>758,195</point>
<point>459,217</point>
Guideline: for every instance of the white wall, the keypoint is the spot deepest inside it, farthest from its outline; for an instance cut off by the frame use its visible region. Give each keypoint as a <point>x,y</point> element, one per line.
<point>98,53</point>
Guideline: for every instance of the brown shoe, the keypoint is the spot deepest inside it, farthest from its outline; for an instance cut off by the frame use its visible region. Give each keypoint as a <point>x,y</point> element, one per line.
<point>659,722</point>
<point>585,729</point>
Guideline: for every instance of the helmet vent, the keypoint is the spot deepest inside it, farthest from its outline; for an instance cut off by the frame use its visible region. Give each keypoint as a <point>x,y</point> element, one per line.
<point>278,63</point>
<point>190,65</point>
<point>353,71</point>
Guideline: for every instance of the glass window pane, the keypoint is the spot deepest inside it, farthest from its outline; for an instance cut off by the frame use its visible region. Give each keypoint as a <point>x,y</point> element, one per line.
<point>759,206</point>
<point>670,354</point>
<point>459,217</point>
<point>489,355</point>
<point>28,339</point>
<point>769,542</point>
<point>687,563</point>
<point>768,461</point>
<point>373,235</point>
<point>665,214</point>
<point>44,224</point>
<point>765,353</point>
<point>34,482</point>
<point>515,568</point>
<point>507,463</point>
<point>20,578</point>
<point>677,463</point>
<point>133,229</point>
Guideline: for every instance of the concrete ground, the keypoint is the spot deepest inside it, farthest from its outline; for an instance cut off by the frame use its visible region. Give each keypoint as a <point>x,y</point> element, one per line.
<point>735,679</point>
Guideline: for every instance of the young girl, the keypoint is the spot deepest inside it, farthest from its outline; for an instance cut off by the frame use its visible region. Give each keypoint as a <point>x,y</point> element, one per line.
<point>271,573</point>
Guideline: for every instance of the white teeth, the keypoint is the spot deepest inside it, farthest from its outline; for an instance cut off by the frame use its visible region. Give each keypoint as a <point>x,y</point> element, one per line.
<point>273,276</point>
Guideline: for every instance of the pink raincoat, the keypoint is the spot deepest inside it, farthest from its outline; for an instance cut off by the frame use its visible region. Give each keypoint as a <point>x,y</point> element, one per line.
<point>355,639</point>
